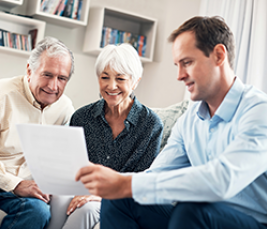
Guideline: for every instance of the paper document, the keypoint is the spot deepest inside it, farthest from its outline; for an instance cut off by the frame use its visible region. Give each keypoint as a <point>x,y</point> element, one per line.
<point>54,154</point>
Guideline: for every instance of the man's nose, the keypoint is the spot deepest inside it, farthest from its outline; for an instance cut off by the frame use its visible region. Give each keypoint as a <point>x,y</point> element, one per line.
<point>181,73</point>
<point>53,84</point>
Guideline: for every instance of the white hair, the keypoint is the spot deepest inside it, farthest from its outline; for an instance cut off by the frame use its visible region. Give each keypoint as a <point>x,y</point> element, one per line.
<point>53,47</point>
<point>121,58</point>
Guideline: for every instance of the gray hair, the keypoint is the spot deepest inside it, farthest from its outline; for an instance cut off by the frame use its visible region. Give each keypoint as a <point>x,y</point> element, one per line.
<point>53,47</point>
<point>122,58</point>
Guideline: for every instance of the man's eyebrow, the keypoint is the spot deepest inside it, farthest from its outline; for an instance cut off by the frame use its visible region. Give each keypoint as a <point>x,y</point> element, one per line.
<point>46,72</point>
<point>67,77</point>
<point>185,58</point>
<point>50,73</point>
<point>182,60</point>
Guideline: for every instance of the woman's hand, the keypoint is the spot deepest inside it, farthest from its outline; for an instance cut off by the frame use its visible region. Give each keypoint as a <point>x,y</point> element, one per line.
<point>79,201</point>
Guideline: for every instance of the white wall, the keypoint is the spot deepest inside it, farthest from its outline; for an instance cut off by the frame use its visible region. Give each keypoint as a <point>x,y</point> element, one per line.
<point>158,87</point>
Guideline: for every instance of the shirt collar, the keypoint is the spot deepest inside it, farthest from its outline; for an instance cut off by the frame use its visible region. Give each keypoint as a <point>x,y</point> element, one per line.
<point>29,94</point>
<point>228,106</point>
<point>99,108</point>
<point>136,107</point>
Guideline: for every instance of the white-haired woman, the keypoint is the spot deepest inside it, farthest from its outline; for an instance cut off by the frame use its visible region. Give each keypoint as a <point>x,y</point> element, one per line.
<point>120,132</point>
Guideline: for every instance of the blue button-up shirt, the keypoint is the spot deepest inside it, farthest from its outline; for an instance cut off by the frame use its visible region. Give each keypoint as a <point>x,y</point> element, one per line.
<point>223,158</point>
<point>133,149</point>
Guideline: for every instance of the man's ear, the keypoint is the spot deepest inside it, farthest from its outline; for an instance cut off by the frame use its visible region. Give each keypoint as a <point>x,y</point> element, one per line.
<point>220,54</point>
<point>28,71</point>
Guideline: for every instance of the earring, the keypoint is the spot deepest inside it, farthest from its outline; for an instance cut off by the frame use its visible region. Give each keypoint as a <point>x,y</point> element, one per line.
<point>100,96</point>
<point>132,96</point>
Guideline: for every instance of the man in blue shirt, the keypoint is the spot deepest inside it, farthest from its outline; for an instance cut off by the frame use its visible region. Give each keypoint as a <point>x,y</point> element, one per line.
<point>212,172</point>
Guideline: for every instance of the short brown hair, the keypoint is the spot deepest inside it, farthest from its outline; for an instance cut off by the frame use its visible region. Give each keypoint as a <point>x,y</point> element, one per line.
<point>209,31</point>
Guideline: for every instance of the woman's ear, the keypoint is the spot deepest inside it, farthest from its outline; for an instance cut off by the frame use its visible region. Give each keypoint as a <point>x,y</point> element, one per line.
<point>220,54</point>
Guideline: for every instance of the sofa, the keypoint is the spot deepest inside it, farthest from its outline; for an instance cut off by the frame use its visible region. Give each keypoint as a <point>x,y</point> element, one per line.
<point>168,115</point>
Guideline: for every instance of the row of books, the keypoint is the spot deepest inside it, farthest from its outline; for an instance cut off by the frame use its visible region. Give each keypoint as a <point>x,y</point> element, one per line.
<point>114,36</point>
<point>66,8</point>
<point>24,42</point>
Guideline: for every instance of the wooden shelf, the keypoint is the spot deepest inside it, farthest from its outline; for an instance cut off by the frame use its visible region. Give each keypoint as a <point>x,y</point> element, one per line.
<point>100,17</point>
<point>33,9</point>
<point>20,25</point>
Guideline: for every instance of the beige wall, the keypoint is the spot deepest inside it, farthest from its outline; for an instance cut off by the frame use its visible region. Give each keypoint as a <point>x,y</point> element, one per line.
<point>158,87</point>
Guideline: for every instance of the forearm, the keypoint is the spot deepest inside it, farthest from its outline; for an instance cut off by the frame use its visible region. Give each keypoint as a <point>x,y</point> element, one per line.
<point>8,182</point>
<point>216,181</point>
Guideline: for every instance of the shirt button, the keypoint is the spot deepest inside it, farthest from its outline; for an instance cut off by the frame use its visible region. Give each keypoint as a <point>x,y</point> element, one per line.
<point>108,157</point>
<point>211,130</point>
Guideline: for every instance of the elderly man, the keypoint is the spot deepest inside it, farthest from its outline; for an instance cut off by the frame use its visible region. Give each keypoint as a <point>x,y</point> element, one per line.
<point>212,172</point>
<point>36,97</point>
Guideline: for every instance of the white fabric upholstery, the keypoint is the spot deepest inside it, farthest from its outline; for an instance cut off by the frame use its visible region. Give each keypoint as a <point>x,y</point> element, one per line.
<point>2,215</point>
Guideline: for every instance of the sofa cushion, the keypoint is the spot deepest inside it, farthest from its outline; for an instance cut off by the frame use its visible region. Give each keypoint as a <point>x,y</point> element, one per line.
<point>169,116</point>
<point>2,215</point>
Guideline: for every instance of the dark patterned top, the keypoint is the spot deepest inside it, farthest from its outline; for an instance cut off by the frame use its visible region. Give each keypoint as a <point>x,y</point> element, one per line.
<point>133,149</point>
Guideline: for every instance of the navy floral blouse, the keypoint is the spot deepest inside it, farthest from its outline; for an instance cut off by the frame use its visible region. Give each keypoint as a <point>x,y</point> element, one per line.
<point>133,150</point>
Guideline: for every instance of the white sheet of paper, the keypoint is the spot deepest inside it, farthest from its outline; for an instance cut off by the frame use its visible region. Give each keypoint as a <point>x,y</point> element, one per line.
<point>54,154</point>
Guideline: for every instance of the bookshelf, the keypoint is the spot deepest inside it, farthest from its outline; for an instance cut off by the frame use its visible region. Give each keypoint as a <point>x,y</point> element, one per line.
<point>10,3</point>
<point>100,17</point>
<point>33,9</point>
<point>20,25</point>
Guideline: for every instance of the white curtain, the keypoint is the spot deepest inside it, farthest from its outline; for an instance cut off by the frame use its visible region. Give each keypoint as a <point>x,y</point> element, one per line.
<point>248,21</point>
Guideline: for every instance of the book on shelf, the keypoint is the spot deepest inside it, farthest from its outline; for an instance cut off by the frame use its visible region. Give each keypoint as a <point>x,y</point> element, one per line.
<point>61,7</point>
<point>10,40</point>
<point>15,40</point>
<point>49,6</point>
<point>5,41</point>
<point>43,5</point>
<point>1,38</point>
<point>134,41</point>
<point>79,12</point>
<point>66,8</point>
<point>33,34</point>
<point>74,10</point>
<point>114,36</point>
<point>141,45</point>
<point>54,6</point>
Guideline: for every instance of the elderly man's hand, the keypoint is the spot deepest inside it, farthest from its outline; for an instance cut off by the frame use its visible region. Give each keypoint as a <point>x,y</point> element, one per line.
<point>28,188</point>
<point>105,182</point>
